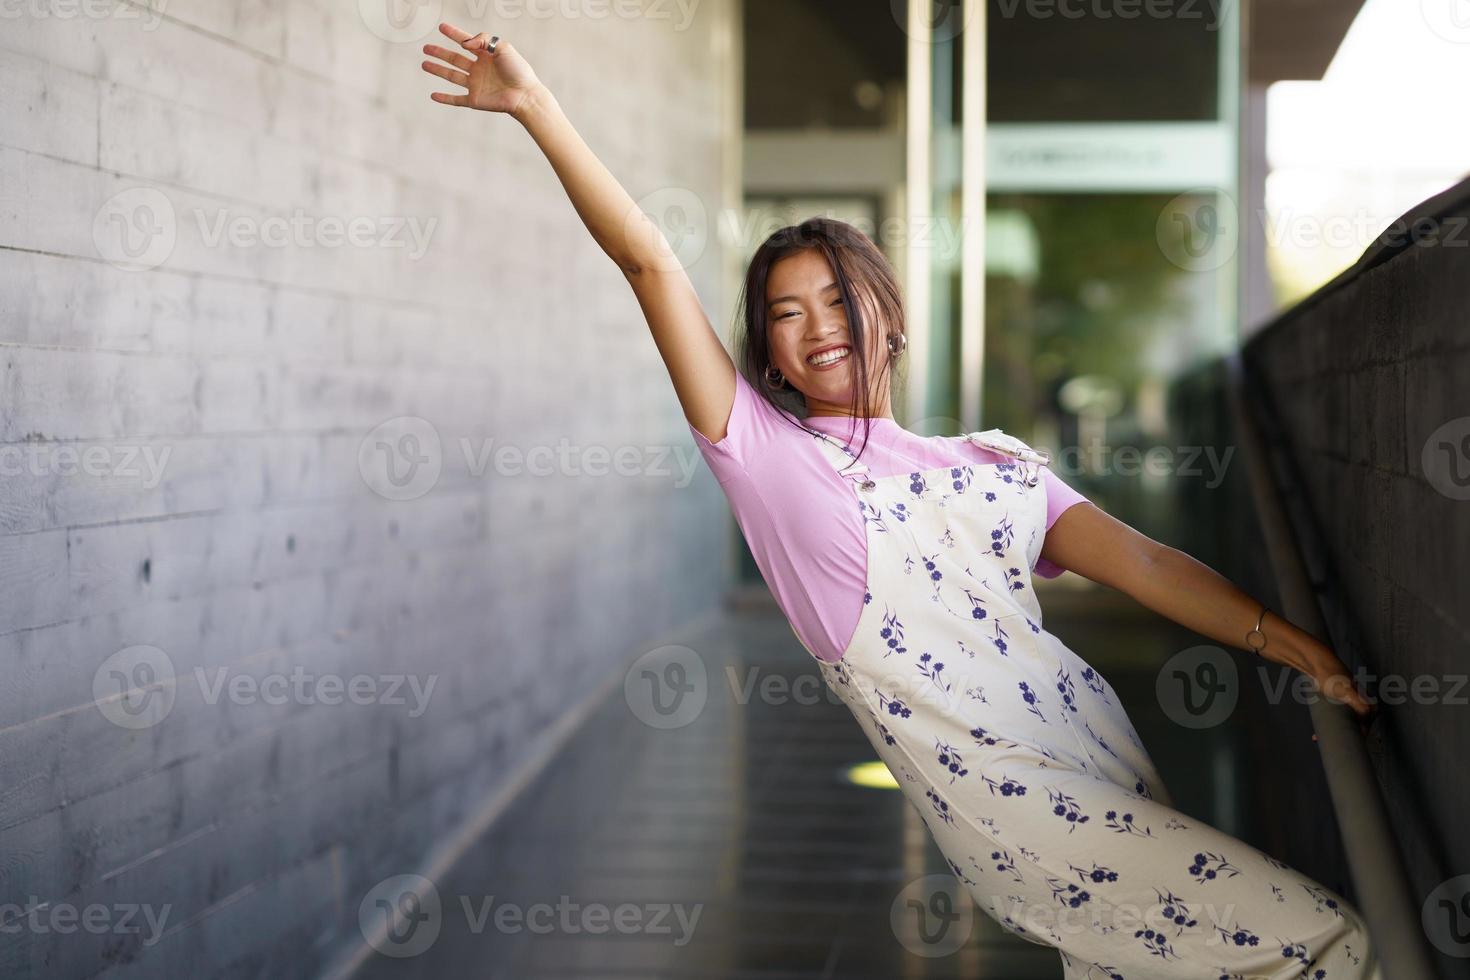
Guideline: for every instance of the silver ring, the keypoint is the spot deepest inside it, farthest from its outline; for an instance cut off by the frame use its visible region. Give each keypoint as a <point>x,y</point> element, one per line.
<point>493,42</point>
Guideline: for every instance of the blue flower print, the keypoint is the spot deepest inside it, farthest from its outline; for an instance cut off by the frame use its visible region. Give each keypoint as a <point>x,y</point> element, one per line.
<point>1068,894</point>
<point>1208,866</point>
<point>1029,696</point>
<point>932,568</point>
<point>893,706</point>
<point>932,671</point>
<point>1013,580</point>
<point>1238,936</point>
<point>959,478</point>
<point>1094,683</point>
<point>1004,862</point>
<point>983,737</point>
<point>1324,899</point>
<point>917,486</point>
<point>941,808</point>
<point>959,872</point>
<point>900,513</point>
<point>1006,786</point>
<point>1178,913</point>
<point>873,517</point>
<point>892,632</point>
<point>1065,688</point>
<point>1125,824</point>
<point>1156,943</point>
<point>950,760</point>
<point>1001,537</point>
<point>1067,808</point>
<point>1097,874</point>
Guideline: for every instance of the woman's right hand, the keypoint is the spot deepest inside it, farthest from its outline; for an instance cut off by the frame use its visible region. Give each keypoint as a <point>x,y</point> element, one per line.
<point>498,82</point>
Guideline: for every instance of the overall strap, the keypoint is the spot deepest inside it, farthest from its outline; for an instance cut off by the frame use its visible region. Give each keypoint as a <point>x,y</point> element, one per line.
<point>843,458</point>
<point>1009,445</point>
<point>1002,442</point>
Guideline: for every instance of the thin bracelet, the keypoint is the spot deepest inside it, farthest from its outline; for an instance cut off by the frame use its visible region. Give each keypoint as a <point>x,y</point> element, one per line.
<point>1257,630</point>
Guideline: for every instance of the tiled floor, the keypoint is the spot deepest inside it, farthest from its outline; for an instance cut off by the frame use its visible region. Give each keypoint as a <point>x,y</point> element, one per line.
<point>746,816</point>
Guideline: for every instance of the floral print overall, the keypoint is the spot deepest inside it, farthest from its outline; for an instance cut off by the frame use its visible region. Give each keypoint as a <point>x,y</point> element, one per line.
<point>1023,763</point>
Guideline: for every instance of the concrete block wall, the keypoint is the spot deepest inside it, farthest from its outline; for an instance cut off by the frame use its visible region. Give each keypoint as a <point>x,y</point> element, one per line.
<point>1367,381</point>
<point>193,481</point>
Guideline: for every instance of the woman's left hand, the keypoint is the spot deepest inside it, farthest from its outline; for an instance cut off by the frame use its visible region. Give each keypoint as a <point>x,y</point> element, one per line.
<point>1332,678</point>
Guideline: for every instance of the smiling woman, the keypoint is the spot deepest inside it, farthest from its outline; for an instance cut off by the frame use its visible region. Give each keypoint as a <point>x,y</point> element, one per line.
<point>905,568</point>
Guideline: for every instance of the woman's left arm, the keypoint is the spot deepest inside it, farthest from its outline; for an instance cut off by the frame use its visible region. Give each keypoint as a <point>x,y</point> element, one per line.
<point>1091,542</point>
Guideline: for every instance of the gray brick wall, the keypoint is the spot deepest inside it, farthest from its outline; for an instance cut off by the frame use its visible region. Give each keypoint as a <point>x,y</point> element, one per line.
<point>1367,381</point>
<point>182,425</point>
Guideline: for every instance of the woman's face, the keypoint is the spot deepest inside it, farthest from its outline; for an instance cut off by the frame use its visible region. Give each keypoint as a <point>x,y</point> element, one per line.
<point>807,319</point>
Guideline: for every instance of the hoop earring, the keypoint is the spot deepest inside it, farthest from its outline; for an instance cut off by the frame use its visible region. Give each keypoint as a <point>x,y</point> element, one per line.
<point>776,380</point>
<point>903,344</point>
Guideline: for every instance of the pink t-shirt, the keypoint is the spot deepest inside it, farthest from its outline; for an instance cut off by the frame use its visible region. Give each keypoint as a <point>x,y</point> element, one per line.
<point>798,516</point>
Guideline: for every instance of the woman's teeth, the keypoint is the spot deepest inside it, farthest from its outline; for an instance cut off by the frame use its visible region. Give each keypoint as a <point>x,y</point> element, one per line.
<point>828,357</point>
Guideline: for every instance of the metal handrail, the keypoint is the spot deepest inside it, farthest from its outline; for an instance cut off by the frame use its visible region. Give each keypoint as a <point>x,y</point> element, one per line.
<point>1374,858</point>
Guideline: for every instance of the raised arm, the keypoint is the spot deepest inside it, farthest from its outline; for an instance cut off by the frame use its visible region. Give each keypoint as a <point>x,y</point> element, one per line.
<point>502,81</point>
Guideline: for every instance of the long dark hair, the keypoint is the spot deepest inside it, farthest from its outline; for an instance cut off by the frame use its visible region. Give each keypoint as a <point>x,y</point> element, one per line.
<point>862,272</point>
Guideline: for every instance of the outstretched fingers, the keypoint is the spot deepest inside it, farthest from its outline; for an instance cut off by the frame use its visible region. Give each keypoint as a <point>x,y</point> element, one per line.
<point>448,99</point>
<point>470,42</point>
<point>457,77</point>
<point>452,57</point>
